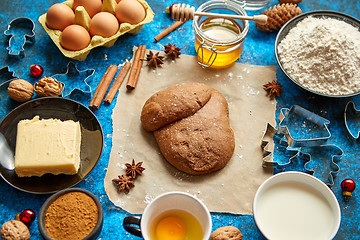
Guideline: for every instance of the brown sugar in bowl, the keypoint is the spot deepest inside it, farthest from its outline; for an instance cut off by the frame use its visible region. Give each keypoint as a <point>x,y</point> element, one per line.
<point>72,213</point>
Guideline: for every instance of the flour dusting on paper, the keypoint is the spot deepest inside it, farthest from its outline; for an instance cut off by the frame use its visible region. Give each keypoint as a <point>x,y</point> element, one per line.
<point>230,189</point>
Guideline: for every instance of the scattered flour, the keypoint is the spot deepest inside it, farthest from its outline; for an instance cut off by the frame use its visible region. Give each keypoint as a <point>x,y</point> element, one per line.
<point>323,55</point>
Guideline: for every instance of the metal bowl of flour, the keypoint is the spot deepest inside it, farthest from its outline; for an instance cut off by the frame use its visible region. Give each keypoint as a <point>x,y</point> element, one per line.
<point>280,56</point>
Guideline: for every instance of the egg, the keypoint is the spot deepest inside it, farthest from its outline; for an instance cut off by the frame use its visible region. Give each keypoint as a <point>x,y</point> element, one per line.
<point>175,224</point>
<point>104,24</point>
<point>170,228</point>
<point>130,11</point>
<point>75,38</point>
<point>92,7</point>
<point>59,16</point>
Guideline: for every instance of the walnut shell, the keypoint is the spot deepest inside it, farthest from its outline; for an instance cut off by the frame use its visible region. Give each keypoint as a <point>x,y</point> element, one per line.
<point>14,230</point>
<point>48,87</point>
<point>20,90</point>
<point>226,233</point>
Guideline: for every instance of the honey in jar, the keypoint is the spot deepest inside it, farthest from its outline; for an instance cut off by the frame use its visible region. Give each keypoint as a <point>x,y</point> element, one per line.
<point>218,41</point>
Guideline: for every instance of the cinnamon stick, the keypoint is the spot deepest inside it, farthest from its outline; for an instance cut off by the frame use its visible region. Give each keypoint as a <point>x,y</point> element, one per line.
<point>136,67</point>
<point>102,87</point>
<point>168,30</point>
<point>117,83</point>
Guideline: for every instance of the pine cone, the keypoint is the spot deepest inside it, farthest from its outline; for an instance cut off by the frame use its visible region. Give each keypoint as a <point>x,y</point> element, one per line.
<point>290,1</point>
<point>278,15</point>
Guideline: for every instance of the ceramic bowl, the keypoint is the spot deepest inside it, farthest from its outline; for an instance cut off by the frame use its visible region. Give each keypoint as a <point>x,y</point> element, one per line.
<point>296,205</point>
<point>92,141</point>
<point>41,218</point>
<point>293,22</point>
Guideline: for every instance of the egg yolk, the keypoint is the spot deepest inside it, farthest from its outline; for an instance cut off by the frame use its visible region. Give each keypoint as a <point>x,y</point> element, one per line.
<point>170,228</point>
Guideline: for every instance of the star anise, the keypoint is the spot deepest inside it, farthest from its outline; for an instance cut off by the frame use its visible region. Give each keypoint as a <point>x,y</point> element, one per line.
<point>134,169</point>
<point>154,60</point>
<point>123,182</point>
<point>172,50</point>
<point>273,88</point>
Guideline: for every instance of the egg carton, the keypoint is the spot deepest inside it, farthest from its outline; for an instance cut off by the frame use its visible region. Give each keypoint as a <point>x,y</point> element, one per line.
<point>82,18</point>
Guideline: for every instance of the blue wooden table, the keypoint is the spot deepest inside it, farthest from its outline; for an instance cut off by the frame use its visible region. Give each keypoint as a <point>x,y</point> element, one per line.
<point>259,50</point>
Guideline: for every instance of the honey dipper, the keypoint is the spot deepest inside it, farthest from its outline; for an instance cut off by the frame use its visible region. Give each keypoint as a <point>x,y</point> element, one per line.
<point>186,12</point>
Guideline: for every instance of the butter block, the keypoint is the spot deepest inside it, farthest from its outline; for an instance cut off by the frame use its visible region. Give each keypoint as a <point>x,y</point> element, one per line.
<point>47,146</point>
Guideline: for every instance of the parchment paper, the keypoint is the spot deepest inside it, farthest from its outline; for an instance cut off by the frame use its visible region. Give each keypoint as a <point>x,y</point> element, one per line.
<point>231,189</point>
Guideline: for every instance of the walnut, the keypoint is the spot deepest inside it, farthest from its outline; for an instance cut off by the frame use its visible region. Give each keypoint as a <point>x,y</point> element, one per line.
<point>20,90</point>
<point>14,230</point>
<point>48,87</point>
<point>226,233</point>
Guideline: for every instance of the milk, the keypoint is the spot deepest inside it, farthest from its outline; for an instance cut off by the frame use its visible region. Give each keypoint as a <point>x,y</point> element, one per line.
<point>296,211</point>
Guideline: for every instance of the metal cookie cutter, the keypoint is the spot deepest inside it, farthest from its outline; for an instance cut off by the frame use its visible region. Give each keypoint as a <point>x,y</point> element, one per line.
<point>352,120</point>
<point>272,133</point>
<point>6,76</point>
<point>299,146</point>
<point>311,129</point>
<point>318,158</point>
<point>20,32</point>
<point>75,80</point>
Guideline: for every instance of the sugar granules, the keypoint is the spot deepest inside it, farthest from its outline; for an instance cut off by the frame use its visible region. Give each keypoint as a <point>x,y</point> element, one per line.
<point>323,55</point>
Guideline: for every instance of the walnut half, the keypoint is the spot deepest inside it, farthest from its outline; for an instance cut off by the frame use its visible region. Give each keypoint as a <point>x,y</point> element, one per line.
<point>20,90</point>
<point>48,87</point>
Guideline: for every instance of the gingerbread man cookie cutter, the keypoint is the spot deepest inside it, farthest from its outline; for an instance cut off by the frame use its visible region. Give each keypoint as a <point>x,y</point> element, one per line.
<point>20,32</point>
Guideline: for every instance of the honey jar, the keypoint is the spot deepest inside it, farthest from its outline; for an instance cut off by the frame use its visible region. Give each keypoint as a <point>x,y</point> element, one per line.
<point>219,41</point>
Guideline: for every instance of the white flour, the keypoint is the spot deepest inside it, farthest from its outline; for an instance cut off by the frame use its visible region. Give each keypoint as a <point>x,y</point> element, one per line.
<point>323,55</point>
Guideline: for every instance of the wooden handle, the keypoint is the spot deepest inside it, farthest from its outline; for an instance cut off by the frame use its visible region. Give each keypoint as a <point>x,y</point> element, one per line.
<point>260,19</point>
<point>185,12</point>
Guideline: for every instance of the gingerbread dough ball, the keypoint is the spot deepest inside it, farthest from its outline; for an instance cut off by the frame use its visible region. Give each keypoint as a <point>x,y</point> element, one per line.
<point>191,126</point>
<point>14,230</point>
<point>226,233</point>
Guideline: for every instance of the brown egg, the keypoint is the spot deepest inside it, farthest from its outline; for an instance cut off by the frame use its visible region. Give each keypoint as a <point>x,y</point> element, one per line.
<point>104,24</point>
<point>75,38</point>
<point>92,7</point>
<point>130,11</point>
<point>59,16</point>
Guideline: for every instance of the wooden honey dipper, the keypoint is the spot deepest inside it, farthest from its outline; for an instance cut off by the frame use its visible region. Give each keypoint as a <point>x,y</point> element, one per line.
<point>185,12</point>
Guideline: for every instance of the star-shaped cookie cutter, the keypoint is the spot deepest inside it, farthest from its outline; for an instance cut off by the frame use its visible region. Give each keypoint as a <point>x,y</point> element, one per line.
<point>20,32</point>
<point>75,80</point>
